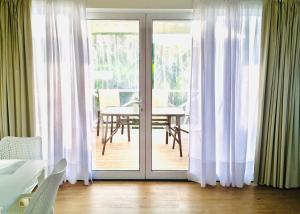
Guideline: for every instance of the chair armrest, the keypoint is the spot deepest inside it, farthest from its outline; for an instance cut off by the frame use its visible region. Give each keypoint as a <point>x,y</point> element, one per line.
<point>130,103</point>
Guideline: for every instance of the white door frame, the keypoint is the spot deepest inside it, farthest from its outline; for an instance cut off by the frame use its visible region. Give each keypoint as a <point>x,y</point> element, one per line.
<point>130,174</point>
<point>157,174</point>
<point>145,70</point>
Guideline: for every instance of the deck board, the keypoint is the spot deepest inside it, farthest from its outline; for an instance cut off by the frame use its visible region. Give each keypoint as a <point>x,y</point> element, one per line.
<point>124,155</point>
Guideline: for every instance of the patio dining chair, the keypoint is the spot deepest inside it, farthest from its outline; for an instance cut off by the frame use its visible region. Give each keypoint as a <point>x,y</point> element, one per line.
<point>42,200</point>
<point>111,98</point>
<point>160,98</point>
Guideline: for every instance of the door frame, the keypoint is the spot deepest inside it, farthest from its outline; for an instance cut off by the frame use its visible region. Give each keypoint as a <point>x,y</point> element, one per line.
<point>157,174</point>
<point>145,18</point>
<point>129,174</point>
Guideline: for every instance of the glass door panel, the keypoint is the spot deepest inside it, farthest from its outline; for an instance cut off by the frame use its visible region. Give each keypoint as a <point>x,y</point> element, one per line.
<point>141,73</point>
<point>171,69</point>
<point>114,62</point>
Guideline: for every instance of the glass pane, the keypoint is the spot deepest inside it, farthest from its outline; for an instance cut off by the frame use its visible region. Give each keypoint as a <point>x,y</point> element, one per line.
<point>114,60</point>
<point>171,69</point>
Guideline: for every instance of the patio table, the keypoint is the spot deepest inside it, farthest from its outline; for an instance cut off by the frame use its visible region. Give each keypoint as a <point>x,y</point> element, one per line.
<point>18,177</point>
<point>161,116</point>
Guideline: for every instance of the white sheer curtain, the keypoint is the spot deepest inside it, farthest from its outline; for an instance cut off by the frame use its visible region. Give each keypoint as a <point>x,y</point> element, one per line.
<point>62,84</point>
<point>224,91</point>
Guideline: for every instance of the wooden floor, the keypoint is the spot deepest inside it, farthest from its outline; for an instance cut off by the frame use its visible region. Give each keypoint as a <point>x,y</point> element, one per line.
<point>124,155</point>
<point>172,197</point>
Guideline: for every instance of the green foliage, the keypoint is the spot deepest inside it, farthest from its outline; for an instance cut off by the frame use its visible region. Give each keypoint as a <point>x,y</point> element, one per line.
<point>115,61</point>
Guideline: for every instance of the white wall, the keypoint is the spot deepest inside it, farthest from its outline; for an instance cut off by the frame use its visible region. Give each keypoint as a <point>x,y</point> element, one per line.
<point>144,4</point>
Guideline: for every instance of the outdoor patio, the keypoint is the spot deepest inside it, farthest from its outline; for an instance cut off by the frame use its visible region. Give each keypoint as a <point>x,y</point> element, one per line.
<point>124,155</point>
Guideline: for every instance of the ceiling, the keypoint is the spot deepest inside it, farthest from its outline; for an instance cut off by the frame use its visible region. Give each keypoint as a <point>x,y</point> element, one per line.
<point>141,4</point>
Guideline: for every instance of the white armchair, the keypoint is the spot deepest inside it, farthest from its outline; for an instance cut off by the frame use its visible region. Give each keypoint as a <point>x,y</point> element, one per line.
<point>42,200</point>
<point>28,148</point>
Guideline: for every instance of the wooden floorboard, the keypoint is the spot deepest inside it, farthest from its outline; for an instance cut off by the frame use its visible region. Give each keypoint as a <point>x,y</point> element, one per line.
<point>172,197</point>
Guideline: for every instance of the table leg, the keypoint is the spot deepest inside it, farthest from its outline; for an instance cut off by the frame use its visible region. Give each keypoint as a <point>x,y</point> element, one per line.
<point>111,127</point>
<point>105,136</point>
<point>128,128</point>
<point>179,134</point>
<point>102,128</point>
<point>168,129</point>
<point>170,125</point>
<point>98,122</point>
<point>122,126</point>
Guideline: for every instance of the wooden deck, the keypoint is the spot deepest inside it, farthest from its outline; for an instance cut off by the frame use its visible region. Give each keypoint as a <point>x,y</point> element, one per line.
<point>124,155</point>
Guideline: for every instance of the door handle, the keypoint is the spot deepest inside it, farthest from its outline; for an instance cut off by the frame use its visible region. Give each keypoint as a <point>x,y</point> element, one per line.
<point>140,103</point>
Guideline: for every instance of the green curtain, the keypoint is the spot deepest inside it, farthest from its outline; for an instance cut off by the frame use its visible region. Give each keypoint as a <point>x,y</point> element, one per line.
<point>277,160</point>
<point>16,74</point>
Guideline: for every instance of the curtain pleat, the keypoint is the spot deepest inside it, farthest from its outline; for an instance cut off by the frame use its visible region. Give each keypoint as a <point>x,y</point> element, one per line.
<point>277,160</point>
<point>16,75</point>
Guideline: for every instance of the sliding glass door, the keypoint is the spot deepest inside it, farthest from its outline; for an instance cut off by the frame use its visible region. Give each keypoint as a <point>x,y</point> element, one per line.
<point>141,67</point>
